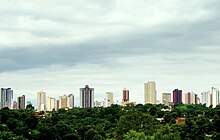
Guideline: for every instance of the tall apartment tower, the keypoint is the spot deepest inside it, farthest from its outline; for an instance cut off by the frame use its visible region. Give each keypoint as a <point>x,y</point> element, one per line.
<point>190,98</point>
<point>206,98</point>
<point>51,104</point>
<point>108,99</point>
<point>166,97</point>
<point>215,97</point>
<point>211,97</point>
<point>125,97</point>
<point>150,93</point>
<point>41,101</point>
<point>6,97</point>
<point>63,101</point>
<point>70,101</point>
<point>86,97</point>
<point>21,102</point>
<point>177,96</point>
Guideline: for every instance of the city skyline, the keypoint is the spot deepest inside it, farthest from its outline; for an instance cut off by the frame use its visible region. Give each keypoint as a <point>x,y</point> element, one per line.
<point>211,97</point>
<point>109,45</point>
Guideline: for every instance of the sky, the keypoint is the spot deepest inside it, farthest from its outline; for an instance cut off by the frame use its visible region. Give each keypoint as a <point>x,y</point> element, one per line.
<point>60,46</point>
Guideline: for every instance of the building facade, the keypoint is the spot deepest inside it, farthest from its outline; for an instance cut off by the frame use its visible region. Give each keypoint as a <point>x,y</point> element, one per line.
<point>41,101</point>
<point>99,103</point>
<point>211,98</point>
<point>206,98</point>
<point>63,101</point>
<point>166,97</point>
<point>150,93</point>
<point>177,96</point>
<point>108,99</point>
<point>70,101</point>
<point>125,95</point>
<point>215,97</point>
<point>190,98</point>
<point>51,104</point>
<point>21,102</point>
<point>86,97</point>
<point>6,98</point>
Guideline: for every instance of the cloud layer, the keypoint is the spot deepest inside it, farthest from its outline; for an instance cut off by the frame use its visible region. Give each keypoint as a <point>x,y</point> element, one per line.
<point>60,46</point>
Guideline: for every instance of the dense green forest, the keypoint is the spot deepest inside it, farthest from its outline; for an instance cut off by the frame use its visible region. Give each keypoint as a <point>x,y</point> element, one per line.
<point>138,122</point>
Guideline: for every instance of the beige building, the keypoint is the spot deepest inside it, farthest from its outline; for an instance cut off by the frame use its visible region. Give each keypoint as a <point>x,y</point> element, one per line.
<point>150,93</point>
<point>166,97</point>
<point>190,98</point>
<point>63,101</point>
<point>51,104</point>
<point>66,101</point>
<point>99,103</point>
<point>21,102</point>
<point>108,99</point>
<point>41,101</point>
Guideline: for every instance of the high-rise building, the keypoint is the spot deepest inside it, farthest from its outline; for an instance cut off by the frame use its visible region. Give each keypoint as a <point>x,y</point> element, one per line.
<point>51,104</point>
<point>21,102</point>
<point>215,97</point>
<point>70,101</point>
<point>63,101</point>
<point>6,97</point>
<point>211,97</point>
<point>190,98</point>
<point>177,96</point>
<point>86,97</point>
<point>166,97</point>
<point>207,98</point>
<point>150,93</point>
<point>108,99</point>
<point>41,101</point>
<point>125,97</point>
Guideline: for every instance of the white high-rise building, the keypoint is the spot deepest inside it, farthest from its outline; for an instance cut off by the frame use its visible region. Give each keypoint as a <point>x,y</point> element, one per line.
<point>108,99</point>
<point>41,101</point>
<point>6,98</point>
<point>211,97</point>
<point>51,104</point>
<point>215,97</point>
<point>70,101</point>
<point>206,98</point>
<point>150,93</point>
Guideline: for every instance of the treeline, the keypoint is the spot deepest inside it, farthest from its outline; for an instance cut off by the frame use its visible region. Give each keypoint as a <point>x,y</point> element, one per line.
<point>141,122</point>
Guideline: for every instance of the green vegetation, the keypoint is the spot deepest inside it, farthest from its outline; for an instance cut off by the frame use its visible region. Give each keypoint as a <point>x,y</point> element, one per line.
<point>139,122</point>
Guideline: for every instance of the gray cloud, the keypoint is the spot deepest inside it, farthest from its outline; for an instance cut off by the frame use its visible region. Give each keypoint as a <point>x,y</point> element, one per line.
<point>124,43</point>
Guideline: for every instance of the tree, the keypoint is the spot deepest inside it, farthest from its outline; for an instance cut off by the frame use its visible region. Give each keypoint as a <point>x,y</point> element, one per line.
<point>90,134</point>
<point>133,135</point>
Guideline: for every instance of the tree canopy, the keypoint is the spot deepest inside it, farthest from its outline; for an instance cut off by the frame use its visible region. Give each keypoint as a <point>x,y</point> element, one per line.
<point>141,122</point>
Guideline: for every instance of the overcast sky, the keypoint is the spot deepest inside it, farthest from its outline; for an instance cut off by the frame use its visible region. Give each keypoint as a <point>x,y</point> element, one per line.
<point>60,46</point>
